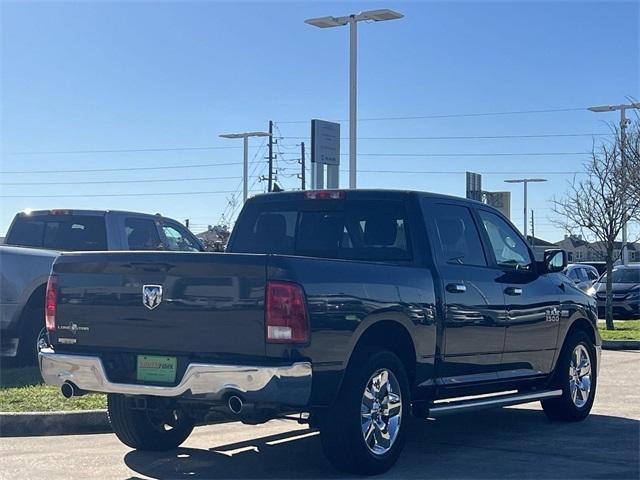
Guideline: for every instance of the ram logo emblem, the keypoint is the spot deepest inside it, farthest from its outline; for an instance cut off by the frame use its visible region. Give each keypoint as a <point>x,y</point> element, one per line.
<point>151,296</point>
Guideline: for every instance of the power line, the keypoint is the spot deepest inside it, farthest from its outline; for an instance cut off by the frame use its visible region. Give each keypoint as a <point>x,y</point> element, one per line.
<point>95,182</point>
<point>390,154</point>
<point>232,201</point>
<point>456,115</point>
<point>218,192</point>
<point>498,154</point>
<point>456,172</point>
<point>470,137</point>
<point>126,169</point>
<point>125,150</point>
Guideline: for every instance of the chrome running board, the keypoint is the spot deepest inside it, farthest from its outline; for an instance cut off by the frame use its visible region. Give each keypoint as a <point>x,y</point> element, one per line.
<point>445,408</point>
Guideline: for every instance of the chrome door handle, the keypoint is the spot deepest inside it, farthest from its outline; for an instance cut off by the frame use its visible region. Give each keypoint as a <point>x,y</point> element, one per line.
<point>456,288</point>
<point>513,291</point>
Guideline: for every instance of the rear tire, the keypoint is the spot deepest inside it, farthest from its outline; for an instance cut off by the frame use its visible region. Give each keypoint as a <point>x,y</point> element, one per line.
<point>364,431</point>
<point>576,375</point>
<point>147,429</point>
<point>32,325</point>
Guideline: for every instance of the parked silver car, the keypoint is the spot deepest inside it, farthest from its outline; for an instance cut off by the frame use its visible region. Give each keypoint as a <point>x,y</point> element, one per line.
<point>583,276</point>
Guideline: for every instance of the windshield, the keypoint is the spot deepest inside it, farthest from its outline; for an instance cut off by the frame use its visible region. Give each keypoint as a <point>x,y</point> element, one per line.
<point>623,275</point>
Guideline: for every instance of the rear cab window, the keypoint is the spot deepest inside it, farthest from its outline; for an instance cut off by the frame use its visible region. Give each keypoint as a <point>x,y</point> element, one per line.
<point>369,230</point>
<point>142,234</point>
<point>67,232</point>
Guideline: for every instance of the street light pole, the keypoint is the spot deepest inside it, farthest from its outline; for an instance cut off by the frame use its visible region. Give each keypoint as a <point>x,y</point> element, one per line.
<point>525,182</point>
<point>245,170</point>
<point>353,99</point>
<point>623,141</point>
<point>352,20</point>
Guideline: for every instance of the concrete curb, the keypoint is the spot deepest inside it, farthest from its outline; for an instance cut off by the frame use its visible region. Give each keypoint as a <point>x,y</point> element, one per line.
<point>53,423</point>
<point>621,345</point>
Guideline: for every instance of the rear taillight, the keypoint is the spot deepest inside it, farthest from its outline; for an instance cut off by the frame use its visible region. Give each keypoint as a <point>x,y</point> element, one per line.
<point>51,303</point>
<point>286,313</point>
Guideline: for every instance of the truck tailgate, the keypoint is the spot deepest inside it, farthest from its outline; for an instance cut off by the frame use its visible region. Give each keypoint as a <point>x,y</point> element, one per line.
<point>210,304</point>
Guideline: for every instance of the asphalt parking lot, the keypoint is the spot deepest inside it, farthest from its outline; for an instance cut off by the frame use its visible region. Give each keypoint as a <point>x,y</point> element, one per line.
<point>509,443</point>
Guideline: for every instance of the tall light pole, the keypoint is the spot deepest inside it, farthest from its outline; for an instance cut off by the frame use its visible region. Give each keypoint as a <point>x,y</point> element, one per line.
<point>525,182</point>
<point>624,121</point>
<point>245,172</point>
<point>352,20</point>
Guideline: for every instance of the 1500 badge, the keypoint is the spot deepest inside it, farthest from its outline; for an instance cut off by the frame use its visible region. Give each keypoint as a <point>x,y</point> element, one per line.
<point>552,315</point>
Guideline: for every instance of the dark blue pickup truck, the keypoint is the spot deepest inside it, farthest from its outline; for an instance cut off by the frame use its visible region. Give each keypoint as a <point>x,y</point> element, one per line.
<point>353,309</point>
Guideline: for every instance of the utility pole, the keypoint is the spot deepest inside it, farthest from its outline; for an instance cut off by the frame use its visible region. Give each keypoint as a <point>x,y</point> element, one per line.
<point>304,167</point>
<point>533,229</point>
<point>270,183</point>
<point>623,141</point>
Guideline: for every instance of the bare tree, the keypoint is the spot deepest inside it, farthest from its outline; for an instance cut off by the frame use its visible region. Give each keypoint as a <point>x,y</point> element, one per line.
<point>605,198</point>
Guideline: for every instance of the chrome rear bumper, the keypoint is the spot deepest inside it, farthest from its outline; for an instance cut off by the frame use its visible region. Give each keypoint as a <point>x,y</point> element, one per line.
<point>283,384</point>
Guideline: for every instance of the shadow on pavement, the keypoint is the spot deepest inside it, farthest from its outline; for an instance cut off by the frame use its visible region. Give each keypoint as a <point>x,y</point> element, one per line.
<point>508,443</point>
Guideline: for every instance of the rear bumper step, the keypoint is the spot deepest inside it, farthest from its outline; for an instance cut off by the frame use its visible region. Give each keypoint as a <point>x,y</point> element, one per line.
<point>283,384</point>
<point>440,409</point>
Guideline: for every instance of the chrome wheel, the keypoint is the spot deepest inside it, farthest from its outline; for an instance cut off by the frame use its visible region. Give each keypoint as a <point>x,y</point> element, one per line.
<point>381,411</point>
<point>580,376</point>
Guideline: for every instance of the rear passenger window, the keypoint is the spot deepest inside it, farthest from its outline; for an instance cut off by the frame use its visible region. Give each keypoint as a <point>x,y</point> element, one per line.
<point>142,234</point>
<point>457,235</point>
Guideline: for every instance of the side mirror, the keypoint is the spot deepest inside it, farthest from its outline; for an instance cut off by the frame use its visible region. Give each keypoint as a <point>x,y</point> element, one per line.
<point>554,261</point>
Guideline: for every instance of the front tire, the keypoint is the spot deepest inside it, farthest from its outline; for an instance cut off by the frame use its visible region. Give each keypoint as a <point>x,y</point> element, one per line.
<point>576,375</point>
<point>364,431</point>
<point>155,430</point>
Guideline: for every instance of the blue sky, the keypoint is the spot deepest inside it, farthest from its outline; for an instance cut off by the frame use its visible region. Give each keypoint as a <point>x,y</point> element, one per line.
<point>157,76</point>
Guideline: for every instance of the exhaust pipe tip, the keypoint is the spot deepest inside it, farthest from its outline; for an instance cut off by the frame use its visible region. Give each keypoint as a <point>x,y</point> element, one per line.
<point>235,404</point>
<point>68,390</point>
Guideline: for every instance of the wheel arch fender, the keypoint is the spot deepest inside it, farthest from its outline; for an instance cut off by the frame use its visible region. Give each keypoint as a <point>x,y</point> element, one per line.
<point>579,323</point>
<point>390,331</point>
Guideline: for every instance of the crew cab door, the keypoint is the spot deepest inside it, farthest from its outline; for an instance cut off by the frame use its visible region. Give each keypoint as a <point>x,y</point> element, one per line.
<point>532,300</point>
<point>473,327</point>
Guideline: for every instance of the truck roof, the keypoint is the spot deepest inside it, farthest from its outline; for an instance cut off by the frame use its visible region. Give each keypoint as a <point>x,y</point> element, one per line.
<point>75,211</point>
<point>358,193</point>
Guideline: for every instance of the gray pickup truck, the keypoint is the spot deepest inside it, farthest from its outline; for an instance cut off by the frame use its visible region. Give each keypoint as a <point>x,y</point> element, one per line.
<point>35,239</point>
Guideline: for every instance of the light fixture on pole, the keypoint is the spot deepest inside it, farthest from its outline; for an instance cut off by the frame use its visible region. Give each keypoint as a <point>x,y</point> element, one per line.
<point>624,121</point>
<point>352,20</point>
<point>525,182</point>
<point>245,172</point>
